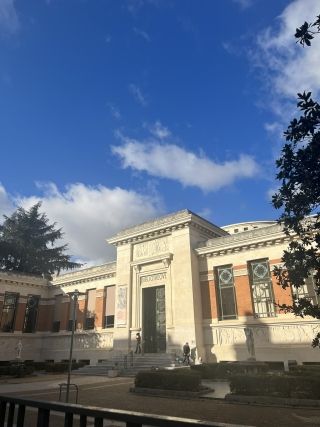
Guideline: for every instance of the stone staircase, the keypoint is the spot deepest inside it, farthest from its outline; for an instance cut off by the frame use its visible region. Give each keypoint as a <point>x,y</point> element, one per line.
<point>127,364</point>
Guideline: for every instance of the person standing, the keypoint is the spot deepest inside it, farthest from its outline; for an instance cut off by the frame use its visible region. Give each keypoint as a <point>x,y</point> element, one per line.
<point>138,343</point>
<point>186,353</point>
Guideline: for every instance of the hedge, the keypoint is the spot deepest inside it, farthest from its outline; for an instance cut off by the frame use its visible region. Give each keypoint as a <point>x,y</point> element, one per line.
<point>306,387</point>
<point>61,366</point>
<point>225,370</point>
<point>16,370</point>
<point>179,379</point>
<point>305,370</point>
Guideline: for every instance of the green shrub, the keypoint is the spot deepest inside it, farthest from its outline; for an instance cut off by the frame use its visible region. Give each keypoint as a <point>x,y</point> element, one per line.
<point>179,379</point>
<point>61,366</point>
<point>276,385</point>
<point>227,369</point>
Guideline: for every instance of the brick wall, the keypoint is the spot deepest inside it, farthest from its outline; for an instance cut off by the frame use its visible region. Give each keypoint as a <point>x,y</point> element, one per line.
<point>243,296</point>
<point>99,310</point>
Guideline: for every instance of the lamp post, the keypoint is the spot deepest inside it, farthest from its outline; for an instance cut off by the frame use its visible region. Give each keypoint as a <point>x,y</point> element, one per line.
<point>73,296</point>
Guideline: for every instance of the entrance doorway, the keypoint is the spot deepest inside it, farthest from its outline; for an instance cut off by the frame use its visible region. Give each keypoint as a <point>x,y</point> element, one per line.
<point>154,319</point>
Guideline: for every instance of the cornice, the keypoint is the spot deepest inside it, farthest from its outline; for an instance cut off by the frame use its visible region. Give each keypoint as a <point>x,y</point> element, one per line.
<point>18,279</point>
<point>164,226</point>
<point>164,258</point>
<point>247,240</point>
<point>86,275</point>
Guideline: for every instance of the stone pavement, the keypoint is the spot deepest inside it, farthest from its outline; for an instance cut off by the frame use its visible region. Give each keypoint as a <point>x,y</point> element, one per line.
<point>114,393</point>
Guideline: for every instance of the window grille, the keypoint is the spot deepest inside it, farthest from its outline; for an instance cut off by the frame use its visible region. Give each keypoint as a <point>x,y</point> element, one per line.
<point>226,294</point>
<point>307,291</point>
<point>31,314</point>
<point>261,289</point>
<point>9,312</point>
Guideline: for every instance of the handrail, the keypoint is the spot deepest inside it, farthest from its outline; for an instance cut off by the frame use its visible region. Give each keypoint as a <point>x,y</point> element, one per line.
<point>132,419</point>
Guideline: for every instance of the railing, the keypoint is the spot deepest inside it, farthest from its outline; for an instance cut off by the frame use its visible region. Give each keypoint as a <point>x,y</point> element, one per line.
<point>16,415</point>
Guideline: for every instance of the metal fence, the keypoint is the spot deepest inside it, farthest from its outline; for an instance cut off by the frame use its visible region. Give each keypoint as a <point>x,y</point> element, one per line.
<point>13,413</point>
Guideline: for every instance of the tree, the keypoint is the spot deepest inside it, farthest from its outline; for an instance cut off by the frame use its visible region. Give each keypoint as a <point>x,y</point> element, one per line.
<point>27,244</point>
<point>299,197</point>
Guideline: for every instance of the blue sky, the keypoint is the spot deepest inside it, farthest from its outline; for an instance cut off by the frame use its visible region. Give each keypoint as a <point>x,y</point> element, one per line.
<point>116,111</point>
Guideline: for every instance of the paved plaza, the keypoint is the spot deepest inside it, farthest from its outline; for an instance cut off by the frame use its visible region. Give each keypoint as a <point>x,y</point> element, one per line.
<point>114,393</point>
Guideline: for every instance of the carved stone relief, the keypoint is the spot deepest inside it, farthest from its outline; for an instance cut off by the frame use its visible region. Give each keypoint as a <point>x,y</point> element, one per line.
<point>121,308</point>
<point>150,248</point>
<point>262,335</point>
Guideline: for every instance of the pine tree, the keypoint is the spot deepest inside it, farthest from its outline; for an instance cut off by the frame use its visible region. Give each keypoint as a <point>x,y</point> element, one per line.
<point>27,244</point>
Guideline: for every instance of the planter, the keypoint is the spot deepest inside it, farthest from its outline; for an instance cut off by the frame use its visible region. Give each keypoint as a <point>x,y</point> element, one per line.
<point>112,373</point>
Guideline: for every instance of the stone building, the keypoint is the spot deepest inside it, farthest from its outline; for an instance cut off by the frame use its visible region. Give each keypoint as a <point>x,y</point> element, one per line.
<point>175,279</point>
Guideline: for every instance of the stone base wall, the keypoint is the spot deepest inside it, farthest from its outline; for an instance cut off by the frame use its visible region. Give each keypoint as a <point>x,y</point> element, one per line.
<point>270,342</point>
<point>31,346</point>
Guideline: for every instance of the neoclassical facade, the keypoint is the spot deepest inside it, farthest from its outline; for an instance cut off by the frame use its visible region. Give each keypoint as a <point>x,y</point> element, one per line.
<point>177,278</point>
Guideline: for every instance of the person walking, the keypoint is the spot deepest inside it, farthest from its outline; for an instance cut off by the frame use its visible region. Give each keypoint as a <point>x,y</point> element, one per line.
<point>186,353</point>
<point>138,343</point>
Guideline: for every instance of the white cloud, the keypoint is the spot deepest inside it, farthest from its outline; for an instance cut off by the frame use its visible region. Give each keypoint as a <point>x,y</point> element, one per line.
<point>244,4</point>
<point>138,95</point>
<point>6,203</point>
<point>271,192</point>
<point>289,68</point>
<point>173,162</point>
<point>88,215</point>
<point>9,22</point>
<point>114,111</point>
<point>142,34</point>
<point>159,130</point>
<point>135,5</point>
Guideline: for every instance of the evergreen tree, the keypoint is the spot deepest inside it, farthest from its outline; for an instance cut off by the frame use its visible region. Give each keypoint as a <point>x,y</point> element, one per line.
<point>27,244</point>
<point>299,197</point>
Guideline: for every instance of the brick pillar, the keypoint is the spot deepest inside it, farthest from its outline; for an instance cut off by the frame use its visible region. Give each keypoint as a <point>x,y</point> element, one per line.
<point>99,310</point>
<point>81,310</point>
<point>20,313</point>
<point>45,317</point>
<point>64,315</point>
<point>243,296</point>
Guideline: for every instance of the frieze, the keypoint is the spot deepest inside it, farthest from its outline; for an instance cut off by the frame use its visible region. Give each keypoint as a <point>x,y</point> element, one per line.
<point>153,277</point>
<point>105,270</point>
<point>150,248</point>
<point>262,335</point>
<point>244,236</point>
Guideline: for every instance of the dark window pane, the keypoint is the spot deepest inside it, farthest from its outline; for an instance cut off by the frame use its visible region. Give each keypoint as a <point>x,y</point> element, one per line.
<point>227,303</point>
<point>56,326</point>
<point>109,321</point>
<point>89,324</point>
<point>70,325</point>
<point>226,294</point>
<point>8,311</point>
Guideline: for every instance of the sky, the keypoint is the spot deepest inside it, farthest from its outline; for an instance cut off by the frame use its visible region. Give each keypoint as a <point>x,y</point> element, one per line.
<point>114,112</point>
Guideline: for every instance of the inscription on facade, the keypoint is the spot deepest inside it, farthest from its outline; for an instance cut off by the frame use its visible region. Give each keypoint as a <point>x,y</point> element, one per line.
<point>150,248</point>
<point>153,277</point>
